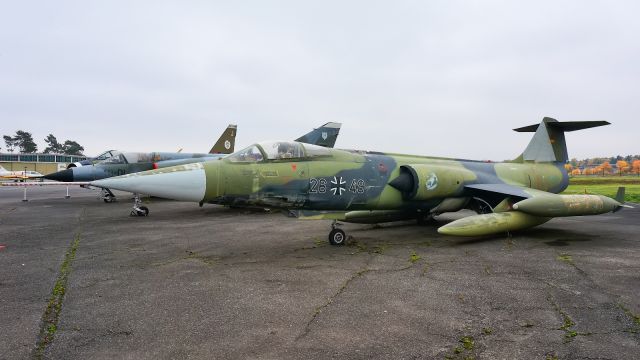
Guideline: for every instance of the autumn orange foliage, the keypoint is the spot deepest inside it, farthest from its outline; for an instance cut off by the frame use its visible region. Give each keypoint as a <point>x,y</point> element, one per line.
<point>622,166</point>
<point>635,167</point>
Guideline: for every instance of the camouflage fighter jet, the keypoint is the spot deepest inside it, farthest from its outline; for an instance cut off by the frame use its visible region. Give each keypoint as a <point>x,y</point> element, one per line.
<point>375,187</point>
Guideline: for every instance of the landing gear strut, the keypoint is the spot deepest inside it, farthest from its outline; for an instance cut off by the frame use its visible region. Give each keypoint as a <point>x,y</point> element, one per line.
<point>138,209</point>
<point>107,196</point>
<point>337,236</point>
<point>480,206</point>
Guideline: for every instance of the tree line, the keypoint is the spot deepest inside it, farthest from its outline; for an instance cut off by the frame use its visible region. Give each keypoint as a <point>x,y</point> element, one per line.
<point>24,143</point>
<point>630,166</point>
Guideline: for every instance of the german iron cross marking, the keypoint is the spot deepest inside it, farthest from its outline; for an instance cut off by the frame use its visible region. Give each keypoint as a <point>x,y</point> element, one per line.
<point>336,187</point>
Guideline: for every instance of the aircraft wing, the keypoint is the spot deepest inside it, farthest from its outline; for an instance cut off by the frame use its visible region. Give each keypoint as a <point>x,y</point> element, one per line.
<point>516,208</point>
<point>499,189</point>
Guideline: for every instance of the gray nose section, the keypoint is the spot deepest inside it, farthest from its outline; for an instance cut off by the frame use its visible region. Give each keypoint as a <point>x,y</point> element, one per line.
<point>64,176</point>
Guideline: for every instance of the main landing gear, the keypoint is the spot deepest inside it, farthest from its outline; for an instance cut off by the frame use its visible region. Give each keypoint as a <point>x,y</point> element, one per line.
<point>337,236</point>
<point>138,208</point>
<point>107,196</point>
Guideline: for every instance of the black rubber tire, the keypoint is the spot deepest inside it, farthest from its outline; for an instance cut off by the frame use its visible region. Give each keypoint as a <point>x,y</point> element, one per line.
<point>337,237</point>
<point>144,212</point>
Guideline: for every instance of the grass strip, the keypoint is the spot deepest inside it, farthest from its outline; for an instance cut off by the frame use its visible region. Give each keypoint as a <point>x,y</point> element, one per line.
<point>54,306</point>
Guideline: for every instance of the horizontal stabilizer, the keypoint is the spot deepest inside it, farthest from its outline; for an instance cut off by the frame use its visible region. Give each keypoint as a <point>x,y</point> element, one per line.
<point>565,125</point>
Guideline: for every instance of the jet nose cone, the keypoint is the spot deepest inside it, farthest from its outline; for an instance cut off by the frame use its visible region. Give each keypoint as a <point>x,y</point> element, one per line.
<point>182,182</point>
<point>64,176</point>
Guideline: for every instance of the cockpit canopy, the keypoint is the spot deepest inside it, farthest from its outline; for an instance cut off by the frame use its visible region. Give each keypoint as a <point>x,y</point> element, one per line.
<point>107,154</point>
<point>124,158</point>
<point>278,150</point>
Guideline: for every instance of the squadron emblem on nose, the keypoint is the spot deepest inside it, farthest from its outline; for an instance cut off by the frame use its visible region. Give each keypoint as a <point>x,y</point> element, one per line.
<point>432,181</point>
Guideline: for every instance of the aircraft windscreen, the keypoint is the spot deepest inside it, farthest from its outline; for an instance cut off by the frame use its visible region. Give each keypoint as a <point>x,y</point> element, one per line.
<point>117,159</point>
<point>315,150</point>
<point>107,154</point>
<point>249,154</point>
<point>276,150</point>
<point>122,158</point>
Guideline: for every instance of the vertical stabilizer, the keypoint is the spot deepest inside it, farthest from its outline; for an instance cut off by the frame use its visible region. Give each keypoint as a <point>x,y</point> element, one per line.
<point>226,142</point>
<point>326,135</point>
<point>548,143</point>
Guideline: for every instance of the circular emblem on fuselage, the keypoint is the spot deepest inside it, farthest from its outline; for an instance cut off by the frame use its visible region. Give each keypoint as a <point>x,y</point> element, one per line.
<point>227,144</point>
<point>432,181</point>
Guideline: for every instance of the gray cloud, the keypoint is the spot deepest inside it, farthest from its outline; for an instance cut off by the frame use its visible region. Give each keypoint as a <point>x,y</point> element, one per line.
<point>446,78</point>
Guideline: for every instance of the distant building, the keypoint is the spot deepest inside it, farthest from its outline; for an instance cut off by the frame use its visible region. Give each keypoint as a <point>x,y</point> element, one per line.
<point>42,163</point>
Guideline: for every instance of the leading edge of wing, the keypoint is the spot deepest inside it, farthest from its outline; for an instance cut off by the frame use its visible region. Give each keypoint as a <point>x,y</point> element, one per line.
<point>504,189</point>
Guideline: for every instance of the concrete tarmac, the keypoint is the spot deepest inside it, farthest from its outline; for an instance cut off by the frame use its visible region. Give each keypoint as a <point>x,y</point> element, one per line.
<point>81,279</point>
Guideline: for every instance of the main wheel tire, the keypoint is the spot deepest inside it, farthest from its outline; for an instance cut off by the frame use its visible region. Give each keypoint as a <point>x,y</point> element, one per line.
<point>144,211</point>
<point>337,237</point>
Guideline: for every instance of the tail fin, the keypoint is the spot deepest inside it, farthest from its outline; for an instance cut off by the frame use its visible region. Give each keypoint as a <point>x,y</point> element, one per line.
<point>620,194</point>
<point>548,144</point>
<point>326,135</point>
<point>2,170</point>
<point>620,198</point>
<point>226,142</point>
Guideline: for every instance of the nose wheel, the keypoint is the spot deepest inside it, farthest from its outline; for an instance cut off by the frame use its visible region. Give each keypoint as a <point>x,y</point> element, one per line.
<point>337,236</point>
<point>138,208</point>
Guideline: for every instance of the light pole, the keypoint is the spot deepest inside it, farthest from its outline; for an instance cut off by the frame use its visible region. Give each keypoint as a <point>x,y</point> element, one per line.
<point>24,199</point>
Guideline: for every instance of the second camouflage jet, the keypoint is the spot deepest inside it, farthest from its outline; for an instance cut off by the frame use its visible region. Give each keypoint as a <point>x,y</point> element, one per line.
<point>376,187</point>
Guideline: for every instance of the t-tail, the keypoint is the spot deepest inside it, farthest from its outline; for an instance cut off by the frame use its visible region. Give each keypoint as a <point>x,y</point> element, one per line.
<point>226,142</point>
<point>548,143</point>
<point>326,135</point>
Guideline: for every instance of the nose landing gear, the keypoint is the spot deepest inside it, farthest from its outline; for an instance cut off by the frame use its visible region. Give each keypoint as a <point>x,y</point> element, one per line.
<point>138,208</point>
<point>107,196</point>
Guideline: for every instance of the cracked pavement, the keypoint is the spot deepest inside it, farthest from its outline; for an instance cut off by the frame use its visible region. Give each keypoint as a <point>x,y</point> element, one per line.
<point>190,282</point>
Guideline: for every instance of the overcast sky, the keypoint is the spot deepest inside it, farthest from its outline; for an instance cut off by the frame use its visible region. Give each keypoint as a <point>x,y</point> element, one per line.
<point>442,78</point>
